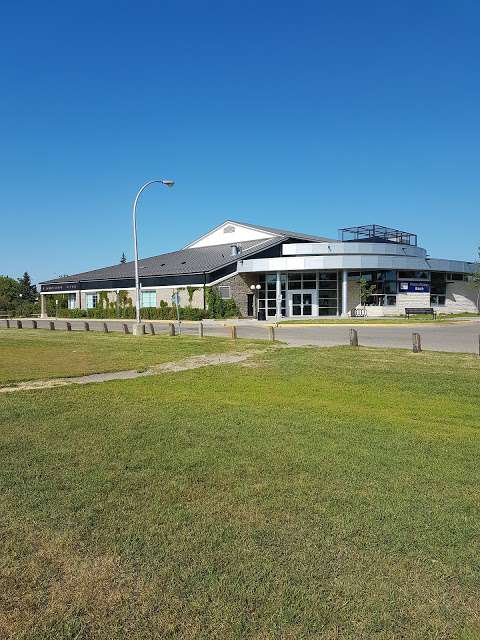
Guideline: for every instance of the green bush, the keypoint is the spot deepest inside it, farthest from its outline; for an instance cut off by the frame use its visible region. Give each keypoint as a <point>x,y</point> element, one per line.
<point>220,308</point>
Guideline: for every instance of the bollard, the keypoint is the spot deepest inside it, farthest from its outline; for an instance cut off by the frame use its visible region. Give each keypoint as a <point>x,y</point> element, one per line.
<point>271,334</point>
<point>51,325</point>
<point>19,324</point>
<point>233,332</point>
<point>105,327</point>
<point>34,324</point>
<point>152,328</point>
<point>200,329</point>
<point>479,345</point>
<point>125,328</point>
<point>8,323</point>
<point>353,338</point>
<point>86,326</point>
<point>68,326</point>
<point>417,343</point>
<point>171,329</point>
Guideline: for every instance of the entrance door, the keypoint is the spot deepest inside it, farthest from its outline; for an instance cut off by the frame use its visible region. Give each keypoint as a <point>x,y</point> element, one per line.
<point>249,305</point>
<point>300,303</point>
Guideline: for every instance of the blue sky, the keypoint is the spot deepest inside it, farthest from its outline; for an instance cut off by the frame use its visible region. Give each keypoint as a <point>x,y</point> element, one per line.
<point>304,115</point>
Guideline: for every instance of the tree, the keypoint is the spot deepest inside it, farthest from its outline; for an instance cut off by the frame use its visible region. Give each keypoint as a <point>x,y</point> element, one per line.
<point>9,293</point>
<point>123,259</point>
<point>476,279</point>
<point>28,291</point>
<point>366,290</point>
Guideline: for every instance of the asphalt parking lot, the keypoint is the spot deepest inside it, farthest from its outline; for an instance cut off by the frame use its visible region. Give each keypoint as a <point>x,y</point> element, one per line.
<point>460,336</point>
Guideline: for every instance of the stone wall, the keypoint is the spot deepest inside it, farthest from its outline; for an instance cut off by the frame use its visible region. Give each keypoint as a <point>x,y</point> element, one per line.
<point>239,288</point>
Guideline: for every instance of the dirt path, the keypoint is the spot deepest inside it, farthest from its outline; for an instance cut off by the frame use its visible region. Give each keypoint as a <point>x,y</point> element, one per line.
<point>194,362</point>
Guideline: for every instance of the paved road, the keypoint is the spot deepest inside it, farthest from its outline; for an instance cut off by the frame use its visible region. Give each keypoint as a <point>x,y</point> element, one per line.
<point>457,336</point>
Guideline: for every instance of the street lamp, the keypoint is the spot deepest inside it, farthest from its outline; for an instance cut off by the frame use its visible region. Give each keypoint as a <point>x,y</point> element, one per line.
<point>255,288</point>
<point>167,183</point>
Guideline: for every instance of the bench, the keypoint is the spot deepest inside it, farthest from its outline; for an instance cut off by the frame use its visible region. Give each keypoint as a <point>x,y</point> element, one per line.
<point>421,311</point>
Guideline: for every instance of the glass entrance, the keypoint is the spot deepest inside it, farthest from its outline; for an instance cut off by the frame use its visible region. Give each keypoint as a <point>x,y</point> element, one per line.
<point>300,303</point>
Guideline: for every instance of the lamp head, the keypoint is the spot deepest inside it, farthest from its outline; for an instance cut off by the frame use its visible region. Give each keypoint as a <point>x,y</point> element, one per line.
<point>258,286</point>
<point>168,183</point>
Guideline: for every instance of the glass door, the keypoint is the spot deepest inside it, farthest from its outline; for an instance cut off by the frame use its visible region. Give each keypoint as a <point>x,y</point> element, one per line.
<point>300,303</point>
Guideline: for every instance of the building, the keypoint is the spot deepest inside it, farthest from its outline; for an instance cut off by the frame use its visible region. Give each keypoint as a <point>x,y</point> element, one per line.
<point>272,272</point>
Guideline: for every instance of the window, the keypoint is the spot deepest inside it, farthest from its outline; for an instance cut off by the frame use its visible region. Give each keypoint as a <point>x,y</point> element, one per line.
<point>385,283</point>
<point>438,288</point>
<point>91,300</point>
<point>149,299</point>
<point>71,300</point>
<point>225,293</point>
<point>267,296</point>
<point>414,275</point>
<point>456,277</point>
<point>327,293</point>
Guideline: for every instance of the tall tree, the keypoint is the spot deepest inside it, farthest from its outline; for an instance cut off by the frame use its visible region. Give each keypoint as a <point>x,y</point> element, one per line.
<point>123,259</point>
<point>9,293</point>
<point>28,291</point>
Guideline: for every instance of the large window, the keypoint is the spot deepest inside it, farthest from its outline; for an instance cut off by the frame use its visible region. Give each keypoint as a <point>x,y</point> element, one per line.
<point>327,293</point>
<point>71,300</point>
<point>267,296</point>
<point>384,283</point>
<point>149,299</point>
<point>438,288</point>
<point>91,300</point>
<point>414,275</point>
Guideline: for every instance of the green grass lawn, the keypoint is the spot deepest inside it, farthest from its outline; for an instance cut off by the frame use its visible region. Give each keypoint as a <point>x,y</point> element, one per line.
<point>29,354</point>
<point>324,493</point>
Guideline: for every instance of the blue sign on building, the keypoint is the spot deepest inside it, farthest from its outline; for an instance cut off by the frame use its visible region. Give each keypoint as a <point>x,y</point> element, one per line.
<point>414,287</point>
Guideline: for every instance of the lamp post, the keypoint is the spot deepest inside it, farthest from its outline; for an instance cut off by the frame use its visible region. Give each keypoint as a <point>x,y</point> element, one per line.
<point>167,183</point>
<point>255,288</point>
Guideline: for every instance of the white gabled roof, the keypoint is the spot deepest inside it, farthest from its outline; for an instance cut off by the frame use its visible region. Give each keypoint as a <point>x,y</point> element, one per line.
<point>232,231</point>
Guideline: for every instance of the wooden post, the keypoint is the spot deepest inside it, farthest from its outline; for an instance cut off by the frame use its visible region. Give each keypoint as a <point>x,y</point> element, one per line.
<point>200,329</point>
<point>479,345</point>
<point>417,343</point>
<point>7,323</point>
<point>271,334</point>
<point>105,327</point>
<point>86,326</point>
<point>19,324</point>
<point>51,325</point>
<point>353,338</point>
<point>152,328</point>
<point>125,328</point>
<point>233,332</point>
<point>34,324</point>
<point>68,326</point>
<point>171,329</point>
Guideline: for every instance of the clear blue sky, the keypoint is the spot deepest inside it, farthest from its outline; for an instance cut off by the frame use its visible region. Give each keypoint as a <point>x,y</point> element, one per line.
<point>304,115</point>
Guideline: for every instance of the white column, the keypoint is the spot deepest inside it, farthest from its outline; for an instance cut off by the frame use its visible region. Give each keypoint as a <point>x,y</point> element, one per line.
<point>344,294</point>
<point>43,305</point>
<point>278,310</point>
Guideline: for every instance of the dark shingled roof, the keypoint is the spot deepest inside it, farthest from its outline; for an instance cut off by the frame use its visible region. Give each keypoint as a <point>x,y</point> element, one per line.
<point>185,261</point>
